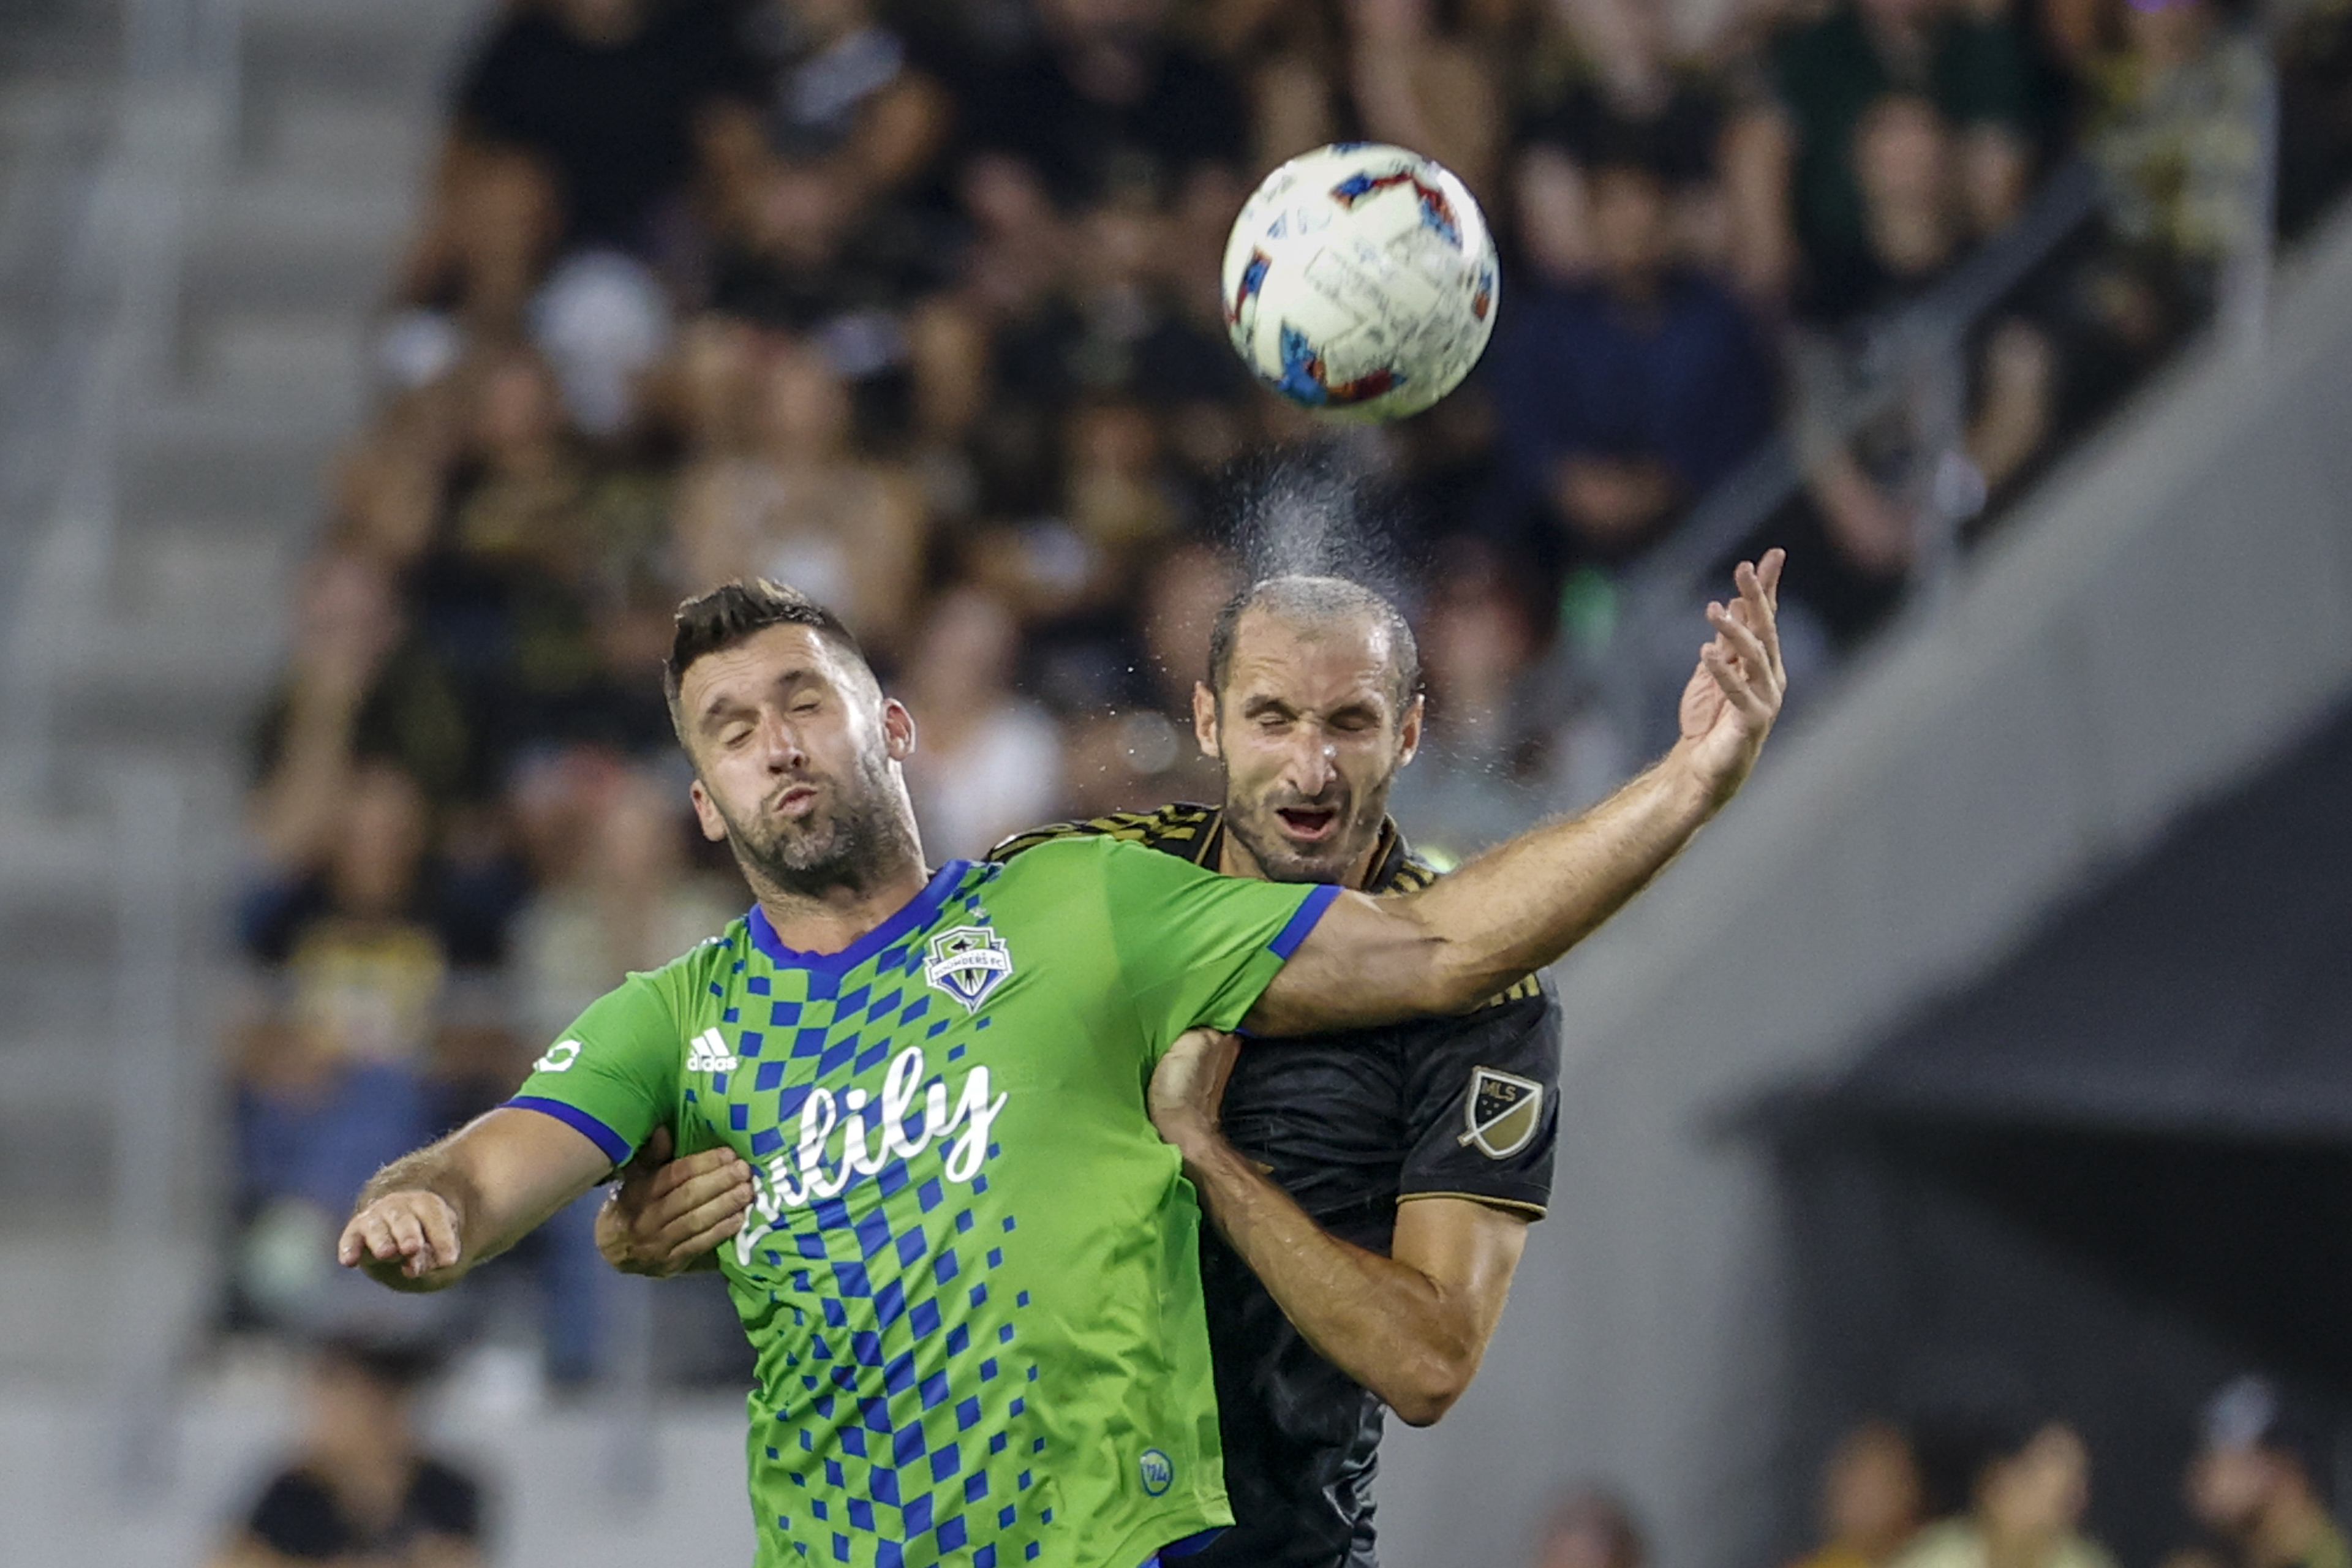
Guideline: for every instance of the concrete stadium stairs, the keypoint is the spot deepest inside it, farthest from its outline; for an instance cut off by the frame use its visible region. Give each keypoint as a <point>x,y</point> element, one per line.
<point>152,581</point>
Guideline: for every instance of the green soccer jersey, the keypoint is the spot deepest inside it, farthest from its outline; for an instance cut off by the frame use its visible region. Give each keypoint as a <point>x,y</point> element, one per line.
<point>969,1270</point>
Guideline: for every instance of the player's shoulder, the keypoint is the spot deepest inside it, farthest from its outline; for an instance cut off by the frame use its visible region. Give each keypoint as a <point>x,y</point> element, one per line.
<point>697,977</point>
<point>1180,828</point>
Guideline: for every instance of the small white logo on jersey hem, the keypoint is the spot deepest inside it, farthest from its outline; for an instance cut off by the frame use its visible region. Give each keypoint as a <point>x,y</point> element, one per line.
<point>707,1052</point>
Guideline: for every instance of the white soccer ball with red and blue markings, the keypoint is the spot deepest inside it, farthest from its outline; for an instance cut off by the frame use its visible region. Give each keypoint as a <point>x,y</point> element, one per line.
<point>1360,282</point>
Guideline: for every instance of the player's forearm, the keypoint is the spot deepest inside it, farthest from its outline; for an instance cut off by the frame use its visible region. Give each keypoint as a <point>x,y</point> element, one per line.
<point>1384,1323</point>
<point>501,1176</point>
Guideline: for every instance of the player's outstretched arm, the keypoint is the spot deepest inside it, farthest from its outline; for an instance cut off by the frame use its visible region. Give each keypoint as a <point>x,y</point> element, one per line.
<point>1413,1326</point>
<point>667,1216</point>
<point>1523,904</point>
<point>427,1218</point>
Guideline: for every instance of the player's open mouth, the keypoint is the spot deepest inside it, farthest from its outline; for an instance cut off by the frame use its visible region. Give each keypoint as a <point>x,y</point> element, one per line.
<point>797,801</point>
<point>1308,823</point>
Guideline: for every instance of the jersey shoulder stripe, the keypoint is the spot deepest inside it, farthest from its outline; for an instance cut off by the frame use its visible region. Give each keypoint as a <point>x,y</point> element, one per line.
<point>1181,829</point>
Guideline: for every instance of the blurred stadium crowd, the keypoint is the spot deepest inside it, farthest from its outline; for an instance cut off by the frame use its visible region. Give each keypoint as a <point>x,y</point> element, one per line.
<point>1980,1490</point>
<point>915,305</point>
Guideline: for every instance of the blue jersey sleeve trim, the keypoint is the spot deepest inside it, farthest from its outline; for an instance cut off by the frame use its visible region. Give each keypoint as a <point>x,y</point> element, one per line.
<point>1310,910</point>
<point>1191,1544</point>
<point>616,1148</point>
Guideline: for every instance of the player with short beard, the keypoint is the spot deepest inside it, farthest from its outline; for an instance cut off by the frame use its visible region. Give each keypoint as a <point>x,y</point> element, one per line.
<point>1368,1219</point>
<point>957,1233</point>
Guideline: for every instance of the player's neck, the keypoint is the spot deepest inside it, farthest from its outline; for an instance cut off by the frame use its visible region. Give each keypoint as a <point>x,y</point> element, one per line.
<point>830,918</point>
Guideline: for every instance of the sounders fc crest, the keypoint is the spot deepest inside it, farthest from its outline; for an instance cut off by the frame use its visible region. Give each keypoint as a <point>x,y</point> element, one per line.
<point>968,963</point>
<point>1502,1110</point>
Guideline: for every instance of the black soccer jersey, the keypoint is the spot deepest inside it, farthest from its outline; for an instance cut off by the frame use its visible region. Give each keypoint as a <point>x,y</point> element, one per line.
<point>1349,1124</point>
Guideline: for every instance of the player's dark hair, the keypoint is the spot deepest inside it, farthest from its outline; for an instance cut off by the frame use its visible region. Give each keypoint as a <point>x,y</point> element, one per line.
<point>1296,598</point>
<point>396,1363</point>
<point>734,613</point>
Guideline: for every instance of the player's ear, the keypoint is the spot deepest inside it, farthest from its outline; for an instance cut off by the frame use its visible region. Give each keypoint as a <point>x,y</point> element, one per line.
<point>898,729</point>
<point>1204,719</point>
<point>1409,731</point>
<point>714,827</point>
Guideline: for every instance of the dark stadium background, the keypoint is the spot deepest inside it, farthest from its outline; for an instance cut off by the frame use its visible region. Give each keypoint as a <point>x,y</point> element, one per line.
<point>373,378</point>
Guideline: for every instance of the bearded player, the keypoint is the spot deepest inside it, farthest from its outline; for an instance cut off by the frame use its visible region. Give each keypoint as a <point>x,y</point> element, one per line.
<point>1371,1190</point>
<point>969,1272</point>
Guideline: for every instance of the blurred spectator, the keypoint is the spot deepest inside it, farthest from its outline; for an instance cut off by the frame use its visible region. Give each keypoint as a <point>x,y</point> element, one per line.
<point>616,892</point>
<point>1108,105</point>
<point>801,506</point>
<point>2177,128</point>
<point>1927,457</point>
<point>1620,400</point>
<point>576,129</point>
<point>1796,201</point>
<point>829,88</point>
<point>827,220</point>
<point>1421,85</point>
<point>361,1490</point>
<point>359,689</point>
<point>1591,1527</point>
<point>1631,104</point>
<point>1872,1500</point>
<point>2258,1481</point>
<point>2028,1483</point>
<point>986,765</point>
<point>335,1082</point>
<point>1474,783</point>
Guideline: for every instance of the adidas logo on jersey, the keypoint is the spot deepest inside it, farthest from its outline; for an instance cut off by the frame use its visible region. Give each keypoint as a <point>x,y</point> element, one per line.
<point>708,1053</point>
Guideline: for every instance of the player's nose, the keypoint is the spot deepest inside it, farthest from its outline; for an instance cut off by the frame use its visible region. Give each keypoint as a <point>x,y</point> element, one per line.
<point>780,743</point>
<point>1314,760</point>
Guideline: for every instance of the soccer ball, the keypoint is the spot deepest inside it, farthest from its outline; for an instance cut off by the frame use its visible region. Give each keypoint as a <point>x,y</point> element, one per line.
<point>1359,281</point>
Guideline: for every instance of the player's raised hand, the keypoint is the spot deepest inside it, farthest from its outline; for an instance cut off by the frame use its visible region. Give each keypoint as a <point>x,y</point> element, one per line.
<point>1188,1087</point>
<point>401,1238</point>
<point>1735,695</point>
<point>668,1215</point>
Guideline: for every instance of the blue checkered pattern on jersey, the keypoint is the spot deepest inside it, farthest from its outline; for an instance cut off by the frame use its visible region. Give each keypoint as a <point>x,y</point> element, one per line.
<point>898,1421</point>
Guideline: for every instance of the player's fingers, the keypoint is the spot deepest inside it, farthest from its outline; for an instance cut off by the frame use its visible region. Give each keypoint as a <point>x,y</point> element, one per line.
<point>1727,677</point>
<point>1756,664</point>
<point>407,1234</point>
<point>692,1170</point>
<point>1762,617</point>
<point>1768,571</point>
<point>440,1234</point>
<point>705,1214</point>
<point>375,1237</point>
<point>351,1245</point>
<point>704,1237</point>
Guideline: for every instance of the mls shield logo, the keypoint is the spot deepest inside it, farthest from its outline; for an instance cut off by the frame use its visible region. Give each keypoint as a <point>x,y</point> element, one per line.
<point>1502,1110</point>
<point>968,963</point>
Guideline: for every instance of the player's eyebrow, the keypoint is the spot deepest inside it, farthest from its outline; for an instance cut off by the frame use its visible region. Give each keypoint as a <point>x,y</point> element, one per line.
<point>723,706</point>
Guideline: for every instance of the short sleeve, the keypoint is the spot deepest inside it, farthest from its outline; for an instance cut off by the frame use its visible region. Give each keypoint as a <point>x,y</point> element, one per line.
<point>613,1074</point>
<point>1196,948</point>
<point>1482,1105</point>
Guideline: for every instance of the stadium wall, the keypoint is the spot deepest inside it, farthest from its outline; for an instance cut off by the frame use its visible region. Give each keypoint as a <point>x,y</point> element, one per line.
<point>2174,610</point>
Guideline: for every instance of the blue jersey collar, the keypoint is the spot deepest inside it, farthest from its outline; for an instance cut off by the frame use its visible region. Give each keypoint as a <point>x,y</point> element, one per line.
<point>913,915</point>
